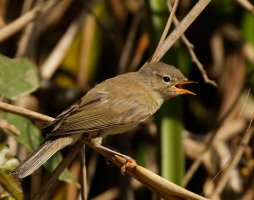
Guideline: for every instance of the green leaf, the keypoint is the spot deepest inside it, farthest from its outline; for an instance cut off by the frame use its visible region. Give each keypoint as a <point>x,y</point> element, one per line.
<point>18,77</point>
<point>29,135</point>
<point>31,138</point>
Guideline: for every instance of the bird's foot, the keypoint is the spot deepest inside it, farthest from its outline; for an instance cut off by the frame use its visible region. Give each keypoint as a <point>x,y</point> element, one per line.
<point>128,161</point>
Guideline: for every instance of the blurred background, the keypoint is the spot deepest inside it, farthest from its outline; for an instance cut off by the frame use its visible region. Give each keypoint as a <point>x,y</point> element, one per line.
<point>58,50</point>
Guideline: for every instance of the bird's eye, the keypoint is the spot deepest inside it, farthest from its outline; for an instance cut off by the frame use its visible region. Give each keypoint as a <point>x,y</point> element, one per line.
<point>166,79</point>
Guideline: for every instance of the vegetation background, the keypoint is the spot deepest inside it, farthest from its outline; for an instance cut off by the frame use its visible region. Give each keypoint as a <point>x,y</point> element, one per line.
<point>68,46</point>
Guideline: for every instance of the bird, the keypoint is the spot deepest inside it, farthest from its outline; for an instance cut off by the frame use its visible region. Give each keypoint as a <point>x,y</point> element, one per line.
<point>113,106</point>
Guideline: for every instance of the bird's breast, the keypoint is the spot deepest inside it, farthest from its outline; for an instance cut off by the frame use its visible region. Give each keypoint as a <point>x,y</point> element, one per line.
<point>117,129</point>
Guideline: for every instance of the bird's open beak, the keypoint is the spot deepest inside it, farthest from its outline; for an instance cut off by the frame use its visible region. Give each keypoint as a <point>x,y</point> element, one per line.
<point>179,87</point>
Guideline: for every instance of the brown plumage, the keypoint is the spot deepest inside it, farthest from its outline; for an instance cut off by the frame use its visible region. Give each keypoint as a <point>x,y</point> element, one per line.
<point>114,106</point>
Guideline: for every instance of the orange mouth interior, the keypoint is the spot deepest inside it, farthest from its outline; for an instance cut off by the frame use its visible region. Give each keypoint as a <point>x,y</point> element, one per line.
<point>179,87</point>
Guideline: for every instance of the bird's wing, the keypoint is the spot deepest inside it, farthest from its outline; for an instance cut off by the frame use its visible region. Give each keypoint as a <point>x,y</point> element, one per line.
<point>102,110</point>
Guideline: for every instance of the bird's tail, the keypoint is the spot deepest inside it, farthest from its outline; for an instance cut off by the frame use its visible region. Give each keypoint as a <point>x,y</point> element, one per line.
<point>39,156</point>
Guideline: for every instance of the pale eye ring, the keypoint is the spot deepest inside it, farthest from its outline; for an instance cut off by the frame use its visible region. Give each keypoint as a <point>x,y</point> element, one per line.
<point>166,79</point>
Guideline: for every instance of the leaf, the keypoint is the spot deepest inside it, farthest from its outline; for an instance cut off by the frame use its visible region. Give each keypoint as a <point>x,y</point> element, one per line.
<point>31,138</point>
<point>29,135</point>
<point>18,77</point>
<point>11,187</point>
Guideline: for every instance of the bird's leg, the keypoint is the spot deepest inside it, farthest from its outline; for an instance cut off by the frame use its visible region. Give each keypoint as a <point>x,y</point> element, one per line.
<point>97,143</point>
<point>128,158</point>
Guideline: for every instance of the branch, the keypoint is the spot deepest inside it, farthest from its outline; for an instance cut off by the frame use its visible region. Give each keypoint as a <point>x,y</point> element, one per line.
<point>166,29</point>
<point>247,5</point>
<point>25,19</point>
<point>24,112</point>
<point>55,58</point>
<point>235,158</point>
<point>83,171</point>
<point>128,46</point>
<point>154,182</point>
<point>190,48</point>
<point>179,30</point>
<point>209,143</point>
<point>47,188</point>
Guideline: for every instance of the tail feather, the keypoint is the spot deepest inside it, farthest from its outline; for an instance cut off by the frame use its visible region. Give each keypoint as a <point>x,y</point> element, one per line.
<point>39,156</point>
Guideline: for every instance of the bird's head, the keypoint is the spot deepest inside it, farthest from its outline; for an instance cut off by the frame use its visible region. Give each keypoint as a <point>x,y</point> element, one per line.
<point>165,79</point>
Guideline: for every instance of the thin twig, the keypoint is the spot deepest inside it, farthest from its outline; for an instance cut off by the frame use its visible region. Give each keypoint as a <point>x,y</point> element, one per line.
<point>141,47</point>
<point>179,30</point>
<point>201,68</point>
<point>45,191</point>
<point>247,5</point>
<point>49,67</point>
<point>6,125</point>
<point>127,50</point>
<point>24,112</point>
<point>209,143</point>
<point>166,29</point>
<point>245,101</point>
<point>27,5</point>
<point>83,179</point>
<point>86,49</point>
<point>24,39</point>
<point>91,169</point>
<point>25,19</point>
<point>54,17</point>
<point>190,48</point>
<point>234,161</point>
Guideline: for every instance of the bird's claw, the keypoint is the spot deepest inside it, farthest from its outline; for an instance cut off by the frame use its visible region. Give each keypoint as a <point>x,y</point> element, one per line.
<point>128,161</point>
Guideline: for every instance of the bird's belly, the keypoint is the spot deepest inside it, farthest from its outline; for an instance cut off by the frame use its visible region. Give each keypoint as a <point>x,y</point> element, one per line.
<point>117,129</point>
